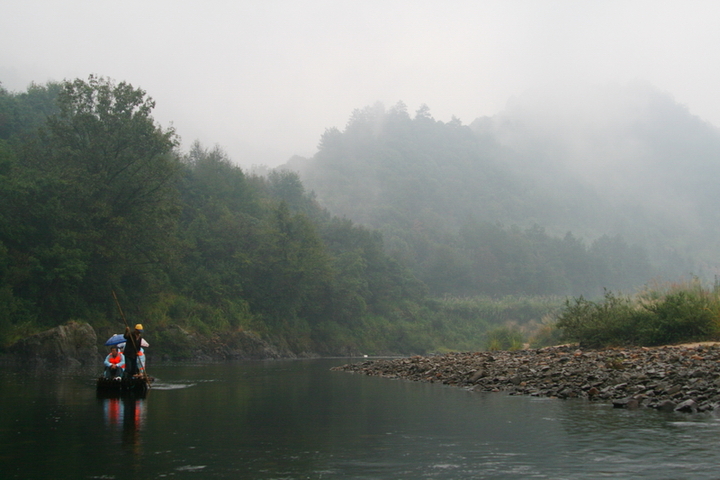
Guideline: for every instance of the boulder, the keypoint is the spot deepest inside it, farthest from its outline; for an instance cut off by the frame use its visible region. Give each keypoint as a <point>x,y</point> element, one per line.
<point>71,345</point>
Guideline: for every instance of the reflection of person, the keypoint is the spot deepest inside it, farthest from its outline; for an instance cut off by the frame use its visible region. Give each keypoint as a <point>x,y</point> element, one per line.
<point>113,412</point>
<point>114,363</point>
<point>132,346</point>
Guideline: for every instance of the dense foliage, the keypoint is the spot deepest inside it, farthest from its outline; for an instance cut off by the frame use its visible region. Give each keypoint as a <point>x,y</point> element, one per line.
<point>675,314</point>
<point>99,201</point>
<point>453,208</point>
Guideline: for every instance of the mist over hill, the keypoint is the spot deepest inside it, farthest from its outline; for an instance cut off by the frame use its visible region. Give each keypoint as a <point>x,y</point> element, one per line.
<point>653,162</point>
<point>603,187</point>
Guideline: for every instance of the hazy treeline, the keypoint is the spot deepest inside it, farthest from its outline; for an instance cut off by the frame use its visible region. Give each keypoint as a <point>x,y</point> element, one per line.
<point>98,199</point>
<point>454,207</point>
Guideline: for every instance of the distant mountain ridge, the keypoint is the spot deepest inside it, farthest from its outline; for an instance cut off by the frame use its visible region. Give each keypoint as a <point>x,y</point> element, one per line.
<point>606,162</point>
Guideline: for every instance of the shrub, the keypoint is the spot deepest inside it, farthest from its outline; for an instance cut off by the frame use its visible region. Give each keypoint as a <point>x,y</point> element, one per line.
<point>680,316</point>
<point>655,317</point>
<point>598,324</point>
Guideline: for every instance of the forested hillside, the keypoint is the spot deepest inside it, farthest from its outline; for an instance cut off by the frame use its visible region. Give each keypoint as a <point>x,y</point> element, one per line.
<point>401,235</point>
<point>98,200</point>
<point>524,203</point>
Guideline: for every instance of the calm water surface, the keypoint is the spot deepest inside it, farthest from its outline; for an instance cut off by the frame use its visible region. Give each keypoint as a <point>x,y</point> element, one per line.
<point>298,420</point>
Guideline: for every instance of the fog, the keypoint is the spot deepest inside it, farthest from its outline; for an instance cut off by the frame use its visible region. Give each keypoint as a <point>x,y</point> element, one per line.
<point>263,80</point>
<point>646,156</point>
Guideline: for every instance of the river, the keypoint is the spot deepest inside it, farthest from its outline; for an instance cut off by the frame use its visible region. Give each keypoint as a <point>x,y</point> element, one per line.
<point>296,419</point>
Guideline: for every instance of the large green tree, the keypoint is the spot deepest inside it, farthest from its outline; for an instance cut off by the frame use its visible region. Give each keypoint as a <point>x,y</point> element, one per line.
<point>103,198</point>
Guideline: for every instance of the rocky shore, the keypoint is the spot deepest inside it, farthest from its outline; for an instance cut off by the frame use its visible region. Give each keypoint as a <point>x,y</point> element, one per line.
<point>673,378</point>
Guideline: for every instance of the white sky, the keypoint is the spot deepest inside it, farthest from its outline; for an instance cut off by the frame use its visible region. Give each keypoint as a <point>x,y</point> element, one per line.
<point>264,79</point>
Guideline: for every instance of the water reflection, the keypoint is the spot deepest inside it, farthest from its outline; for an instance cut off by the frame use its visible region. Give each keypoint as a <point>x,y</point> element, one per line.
<point>128,414</point>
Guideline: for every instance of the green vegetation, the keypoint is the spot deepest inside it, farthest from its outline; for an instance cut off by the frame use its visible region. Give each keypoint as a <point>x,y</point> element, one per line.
<point>504,338</point>
<point>669,315</point>
<point>97,199</point>
<point>483,322</point>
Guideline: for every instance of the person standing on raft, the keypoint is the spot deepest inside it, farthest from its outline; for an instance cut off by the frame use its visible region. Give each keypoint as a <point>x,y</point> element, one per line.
<point>132,347</point>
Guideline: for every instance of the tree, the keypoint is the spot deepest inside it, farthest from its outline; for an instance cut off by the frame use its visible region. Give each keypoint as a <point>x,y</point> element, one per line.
<point>423,113</point>
<point>218,231</point>
<point>290,268</point>
<point>110,196</point>
<point>21,114</point>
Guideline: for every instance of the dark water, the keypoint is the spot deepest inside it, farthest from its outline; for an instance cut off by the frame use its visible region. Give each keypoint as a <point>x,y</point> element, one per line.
<point>298,420</point>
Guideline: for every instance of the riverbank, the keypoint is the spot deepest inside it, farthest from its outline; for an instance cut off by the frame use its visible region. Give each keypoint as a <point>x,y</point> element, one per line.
<point>78,345</point>
<point>682,378</point>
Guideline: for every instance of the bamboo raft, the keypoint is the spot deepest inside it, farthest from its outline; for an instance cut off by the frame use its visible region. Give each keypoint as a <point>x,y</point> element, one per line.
<point>137,386</point>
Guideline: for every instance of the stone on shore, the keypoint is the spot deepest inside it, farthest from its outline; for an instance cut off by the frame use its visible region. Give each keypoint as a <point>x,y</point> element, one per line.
<point>687,406</point>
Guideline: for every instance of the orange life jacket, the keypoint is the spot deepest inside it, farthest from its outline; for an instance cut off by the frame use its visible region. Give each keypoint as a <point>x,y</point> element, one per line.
<point>116,359</point>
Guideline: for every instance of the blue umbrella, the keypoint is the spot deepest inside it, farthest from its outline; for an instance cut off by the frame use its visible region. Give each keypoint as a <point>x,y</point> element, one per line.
<point>115,339</point>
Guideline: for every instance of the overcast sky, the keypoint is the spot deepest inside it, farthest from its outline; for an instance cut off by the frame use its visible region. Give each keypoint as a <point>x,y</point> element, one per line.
<point>264,79</point>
